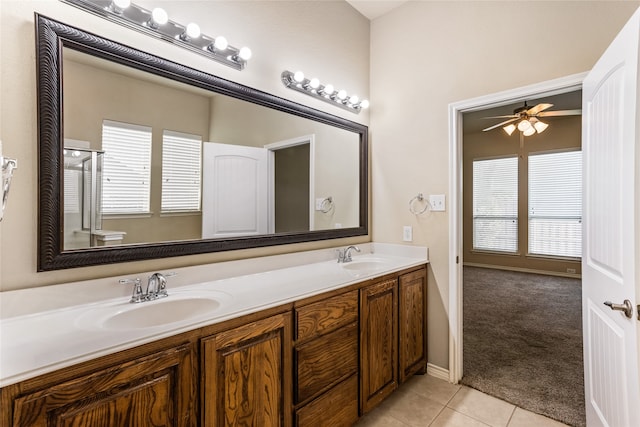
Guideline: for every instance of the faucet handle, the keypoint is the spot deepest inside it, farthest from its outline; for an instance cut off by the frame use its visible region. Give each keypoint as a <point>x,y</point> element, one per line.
<point>137,295</point>
<point>340,253</point>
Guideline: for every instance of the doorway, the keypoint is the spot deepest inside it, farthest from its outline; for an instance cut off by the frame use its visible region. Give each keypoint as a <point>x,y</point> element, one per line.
<point>456,257</point>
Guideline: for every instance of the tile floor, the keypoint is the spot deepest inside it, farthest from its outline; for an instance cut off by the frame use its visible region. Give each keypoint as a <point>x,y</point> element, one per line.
<point>428,401</point>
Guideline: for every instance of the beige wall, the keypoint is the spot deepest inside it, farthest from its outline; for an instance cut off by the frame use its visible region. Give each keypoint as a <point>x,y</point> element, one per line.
<point>282,35</point>
<point>426,55</point>
<point>562,134</point>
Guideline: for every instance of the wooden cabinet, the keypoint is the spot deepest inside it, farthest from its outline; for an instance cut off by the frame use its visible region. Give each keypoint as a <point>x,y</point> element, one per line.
<point>155,390</point>
<point>412,327</point>
<point>246,375</point>
<point>326,361</point>
<point>378,342</point>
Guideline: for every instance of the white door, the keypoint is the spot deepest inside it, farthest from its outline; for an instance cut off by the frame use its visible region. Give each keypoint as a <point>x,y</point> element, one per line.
<point>610,135</point>
<point>234,191</point>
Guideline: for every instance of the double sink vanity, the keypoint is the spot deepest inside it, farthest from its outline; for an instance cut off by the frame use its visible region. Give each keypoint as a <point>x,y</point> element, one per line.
<point>294,339</point>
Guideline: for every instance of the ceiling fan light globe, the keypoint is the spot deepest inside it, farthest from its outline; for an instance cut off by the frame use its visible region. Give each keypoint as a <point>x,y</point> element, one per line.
<point>540,126</point>
<point>530,131</point>
<point>524,125</point>
<point>509,129</point>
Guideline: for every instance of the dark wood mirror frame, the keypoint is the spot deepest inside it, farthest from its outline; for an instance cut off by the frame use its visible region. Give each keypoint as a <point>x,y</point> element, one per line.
<point>51,37</point>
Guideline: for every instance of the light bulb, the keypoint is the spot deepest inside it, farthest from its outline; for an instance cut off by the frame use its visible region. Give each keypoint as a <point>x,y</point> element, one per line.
<point>298,76</point>
<point>220,43</point>
<point>328,89</point>
<point>245,53</point>
<point>118,6</point>
<point>524,125</point>
<point>364,103</point>
<point>193,30</point>
<point>530,131</point>
<point>314,83</point>
<point>509,129</point>
<point>159,17</point>
<point>354,99</point>
<point>342,94</point>
<point>540,126</point>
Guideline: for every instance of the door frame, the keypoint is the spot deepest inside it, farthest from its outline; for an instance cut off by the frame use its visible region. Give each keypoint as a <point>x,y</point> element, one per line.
<point>547,88</point>
<point>279,145</point>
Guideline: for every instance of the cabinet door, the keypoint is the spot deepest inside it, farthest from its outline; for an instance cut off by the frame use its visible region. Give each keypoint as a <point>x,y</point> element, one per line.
<point>379,342</point>
<point>156,390</point>
<point>247,375</point>
<point>413,323</point>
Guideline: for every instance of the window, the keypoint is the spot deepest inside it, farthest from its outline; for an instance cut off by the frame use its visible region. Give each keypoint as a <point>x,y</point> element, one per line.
<point>555,204</point>
<point>127,167</point>
<point>181,171</point>
<point>495,204</point>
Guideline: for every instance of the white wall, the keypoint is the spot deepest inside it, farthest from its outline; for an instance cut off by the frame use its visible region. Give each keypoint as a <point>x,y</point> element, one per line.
<point>328,39</point>
<point>426,55</point>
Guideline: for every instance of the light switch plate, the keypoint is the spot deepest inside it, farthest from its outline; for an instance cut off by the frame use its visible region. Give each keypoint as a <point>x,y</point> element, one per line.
<point>436,201</point>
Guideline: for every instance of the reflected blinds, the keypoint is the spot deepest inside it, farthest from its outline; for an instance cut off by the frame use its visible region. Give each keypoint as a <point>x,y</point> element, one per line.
<point>181,171</point>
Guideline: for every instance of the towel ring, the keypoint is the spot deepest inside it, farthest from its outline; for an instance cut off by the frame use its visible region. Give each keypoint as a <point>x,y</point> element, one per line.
<point>419,198</point>
<point>327,205</point>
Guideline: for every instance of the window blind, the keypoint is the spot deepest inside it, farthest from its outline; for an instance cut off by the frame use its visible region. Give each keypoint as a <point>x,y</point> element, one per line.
<point>181,171</point>
<point>127,168</point>
<point>555,204</point>
<point>495,204</point>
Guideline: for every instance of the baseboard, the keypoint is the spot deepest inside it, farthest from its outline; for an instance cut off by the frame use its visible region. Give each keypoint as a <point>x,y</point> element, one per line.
<point>523,270</point>
<point>438,372</point>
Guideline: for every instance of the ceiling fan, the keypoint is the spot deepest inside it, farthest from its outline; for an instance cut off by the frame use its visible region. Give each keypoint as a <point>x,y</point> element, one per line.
<point>526,119</point>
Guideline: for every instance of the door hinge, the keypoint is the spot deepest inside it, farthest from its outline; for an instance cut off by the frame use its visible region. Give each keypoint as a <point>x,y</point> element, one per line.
<point>457,260</point>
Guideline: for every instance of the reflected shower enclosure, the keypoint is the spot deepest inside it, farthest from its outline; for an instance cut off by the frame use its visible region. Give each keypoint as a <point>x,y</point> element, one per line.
<point>82,197</point>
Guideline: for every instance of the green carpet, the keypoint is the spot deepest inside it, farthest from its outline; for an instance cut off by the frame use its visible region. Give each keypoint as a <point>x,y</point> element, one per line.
<point>523,341</point>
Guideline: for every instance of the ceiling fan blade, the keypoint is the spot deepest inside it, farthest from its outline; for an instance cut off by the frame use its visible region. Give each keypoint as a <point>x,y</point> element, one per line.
<point>561,113</point>
<point>500,124</point>
<point>540,107</point>
<point>503,117</point>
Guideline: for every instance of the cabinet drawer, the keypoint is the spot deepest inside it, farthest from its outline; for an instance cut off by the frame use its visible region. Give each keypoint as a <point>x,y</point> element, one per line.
<point>337,407</point>
<point>325,361</point>
<point>326,315</point>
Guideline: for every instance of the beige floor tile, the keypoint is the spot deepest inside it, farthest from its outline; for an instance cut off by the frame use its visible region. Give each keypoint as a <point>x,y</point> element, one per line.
<point>450,418</point>
<point>378,419</point>
<point>432,388</point>
<point>411,409</point>
<point>524,418</point>
<point>482,407</point>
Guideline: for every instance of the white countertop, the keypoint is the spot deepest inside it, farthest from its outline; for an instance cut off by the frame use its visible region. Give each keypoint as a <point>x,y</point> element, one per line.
<point>45,329</point>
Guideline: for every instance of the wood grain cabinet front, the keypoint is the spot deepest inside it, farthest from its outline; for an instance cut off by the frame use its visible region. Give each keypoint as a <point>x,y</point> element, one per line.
<point>326,361</point>
<point>246,375</point>
<point>378,342</point>
<point>155,390</point>
<point>412,289</point>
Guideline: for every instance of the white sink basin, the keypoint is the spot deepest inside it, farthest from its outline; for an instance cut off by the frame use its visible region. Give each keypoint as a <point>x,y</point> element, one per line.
<point>365,266</point>
<point>175,308</point>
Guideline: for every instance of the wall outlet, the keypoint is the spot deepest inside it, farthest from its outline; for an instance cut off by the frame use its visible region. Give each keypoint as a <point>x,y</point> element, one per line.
<point>436,201</point>
<point>319,204</point>
<point>407,233</point>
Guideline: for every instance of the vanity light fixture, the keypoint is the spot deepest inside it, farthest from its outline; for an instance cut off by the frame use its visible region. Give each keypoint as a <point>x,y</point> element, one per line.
<point>297,81</point>
<point>157,24</point>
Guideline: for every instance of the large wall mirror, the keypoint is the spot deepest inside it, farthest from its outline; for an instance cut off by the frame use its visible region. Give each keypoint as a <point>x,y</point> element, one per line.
<point>141,158</point>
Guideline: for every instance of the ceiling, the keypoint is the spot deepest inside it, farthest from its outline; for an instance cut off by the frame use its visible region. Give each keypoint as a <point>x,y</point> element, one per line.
<point>374,8</point>
<point>476,121</point>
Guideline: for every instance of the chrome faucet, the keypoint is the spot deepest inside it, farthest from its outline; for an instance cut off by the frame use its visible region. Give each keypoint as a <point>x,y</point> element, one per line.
<point>344,255</point>
<point>156,287</point>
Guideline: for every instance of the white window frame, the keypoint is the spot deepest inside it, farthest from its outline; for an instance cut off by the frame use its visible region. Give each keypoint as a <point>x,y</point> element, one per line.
<point>181,172</point>
<point>505,211</point>
<point>126,179</point>
<point>565,223</point>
